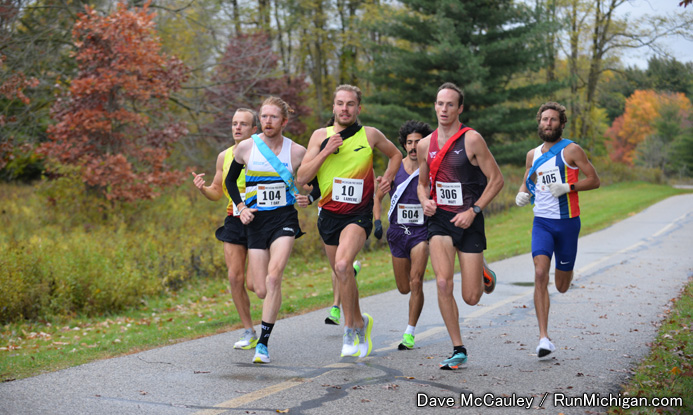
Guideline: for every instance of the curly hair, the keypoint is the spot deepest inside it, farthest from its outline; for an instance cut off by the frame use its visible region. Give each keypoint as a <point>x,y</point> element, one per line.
<point>413,126</point>
<point>556,107</point>
<point>285,108</point>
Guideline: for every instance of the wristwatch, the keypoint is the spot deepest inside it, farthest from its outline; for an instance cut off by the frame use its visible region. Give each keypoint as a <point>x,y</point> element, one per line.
<point>476,209</point>
<point>572,187</point>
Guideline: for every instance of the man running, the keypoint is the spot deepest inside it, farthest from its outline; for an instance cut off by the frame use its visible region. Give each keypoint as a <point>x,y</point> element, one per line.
<point>341,156</point>
<point>551,179</point>
<point>268,209</point>
<point>232,234</point>
<point>407,235</point>
<point>458,178</point>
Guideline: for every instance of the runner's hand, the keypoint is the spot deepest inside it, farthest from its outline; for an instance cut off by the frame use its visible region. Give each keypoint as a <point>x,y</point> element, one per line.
<point>559,189</point>
<point>429,207</point>
<point>522,199</point>
<point>302,200</point>
<point>378,233</point>
<point>464,219</point>
<point>198,180</point>
<point>333,143</point>
<point>384,185</point>
<point>247,215</point>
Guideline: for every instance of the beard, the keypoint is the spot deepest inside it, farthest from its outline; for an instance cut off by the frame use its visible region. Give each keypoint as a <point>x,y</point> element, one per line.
<point>551,137</point>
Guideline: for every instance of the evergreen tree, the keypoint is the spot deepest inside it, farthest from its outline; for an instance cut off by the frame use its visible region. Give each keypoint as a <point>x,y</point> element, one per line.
<point>484,46</point>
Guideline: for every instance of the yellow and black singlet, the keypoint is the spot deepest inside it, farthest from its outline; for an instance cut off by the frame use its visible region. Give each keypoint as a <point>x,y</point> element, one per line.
<point>346,177</point>
<point>228,158</point>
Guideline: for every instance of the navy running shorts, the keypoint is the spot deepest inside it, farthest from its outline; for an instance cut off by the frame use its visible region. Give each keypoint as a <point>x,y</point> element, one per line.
<point>559,237</point>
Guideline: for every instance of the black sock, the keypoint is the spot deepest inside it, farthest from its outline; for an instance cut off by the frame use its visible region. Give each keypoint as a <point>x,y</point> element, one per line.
<point>266,330</point>
<point>459,349</point>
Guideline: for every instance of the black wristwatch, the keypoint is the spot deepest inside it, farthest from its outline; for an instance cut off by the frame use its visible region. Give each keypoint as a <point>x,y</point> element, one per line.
<point>476,209</point>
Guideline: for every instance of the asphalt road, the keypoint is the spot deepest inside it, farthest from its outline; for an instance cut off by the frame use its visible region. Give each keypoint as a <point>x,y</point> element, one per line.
<point>626,276</point>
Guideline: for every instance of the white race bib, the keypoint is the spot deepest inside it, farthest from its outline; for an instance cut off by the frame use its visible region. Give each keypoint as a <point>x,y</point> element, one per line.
<point>235,208</point>
<point>546,177</point>
<point>449,194</point>
<point>347,190</point>
<point>271,195</point>
<point>410,214</point>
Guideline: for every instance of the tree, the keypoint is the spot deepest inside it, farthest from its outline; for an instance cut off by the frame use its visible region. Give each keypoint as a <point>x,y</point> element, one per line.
<point>660,117</point>
<point>111,121</point>
<point>485,47</point>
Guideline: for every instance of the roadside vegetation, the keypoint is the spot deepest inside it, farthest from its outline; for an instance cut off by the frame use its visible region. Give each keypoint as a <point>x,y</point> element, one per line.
<point>82,280</point>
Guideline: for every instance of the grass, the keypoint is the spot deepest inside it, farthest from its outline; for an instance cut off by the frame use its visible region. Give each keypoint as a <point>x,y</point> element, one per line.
<point>203,306</point>
<point>668,370</point>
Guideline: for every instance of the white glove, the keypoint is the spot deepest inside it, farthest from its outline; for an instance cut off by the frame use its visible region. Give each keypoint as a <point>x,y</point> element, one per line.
<point>559,189</point>
<point>522,199</point>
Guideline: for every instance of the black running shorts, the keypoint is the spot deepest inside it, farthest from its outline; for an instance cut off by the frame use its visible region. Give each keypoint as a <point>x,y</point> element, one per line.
<point>470,240</point>
<point>232,232</point>
<point>330,225</point>
<point>268,225</point>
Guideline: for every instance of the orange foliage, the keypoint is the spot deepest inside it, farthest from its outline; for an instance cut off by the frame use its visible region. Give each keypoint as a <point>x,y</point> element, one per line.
<point>113,120</point>
<point>643,108</point>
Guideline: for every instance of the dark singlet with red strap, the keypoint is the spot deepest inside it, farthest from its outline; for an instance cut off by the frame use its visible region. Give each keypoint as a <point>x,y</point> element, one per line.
<point>456,168</point>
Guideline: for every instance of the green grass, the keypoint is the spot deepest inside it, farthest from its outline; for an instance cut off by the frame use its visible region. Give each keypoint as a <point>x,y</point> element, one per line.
<point>668,370</point>
<point>203,306</point>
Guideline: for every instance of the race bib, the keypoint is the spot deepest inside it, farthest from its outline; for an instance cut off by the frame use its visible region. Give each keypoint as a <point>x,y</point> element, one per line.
<point>347,190</point>
<point>410,214</point>
<point>271,195</point>
<point>546,177</point>
<point>235,208</point>
<point>449,194</point>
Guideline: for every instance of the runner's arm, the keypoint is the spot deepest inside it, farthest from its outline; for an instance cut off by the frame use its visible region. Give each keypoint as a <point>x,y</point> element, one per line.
<point>214,191</point>
<point>314,156</point>
<point>576,156</point>
<point>487,164</point>
<point>377,140</point>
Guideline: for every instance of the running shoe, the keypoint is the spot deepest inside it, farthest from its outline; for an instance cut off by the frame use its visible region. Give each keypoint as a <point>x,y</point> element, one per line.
<point>333,318</point>
<point>545,347</point>
<point>248,340</point>
<point>351,343</point>
<point>489,279</point>
<point>365,342</point>
<point>454,362</point>
<point>407,342</point>
<point>261,354</point>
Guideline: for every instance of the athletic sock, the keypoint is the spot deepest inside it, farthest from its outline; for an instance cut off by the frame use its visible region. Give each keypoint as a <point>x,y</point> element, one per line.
<point>410,330</point>
<point>459,349</point>
<point>266,331</point>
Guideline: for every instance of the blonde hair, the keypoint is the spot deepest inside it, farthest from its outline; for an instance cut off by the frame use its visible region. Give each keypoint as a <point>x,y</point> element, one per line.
<point>351,88</point>
<point>281,104</point>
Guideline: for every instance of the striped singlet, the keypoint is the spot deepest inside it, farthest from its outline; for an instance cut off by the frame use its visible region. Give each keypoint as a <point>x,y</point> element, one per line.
<point>265,189</point>
<point>555,170</point>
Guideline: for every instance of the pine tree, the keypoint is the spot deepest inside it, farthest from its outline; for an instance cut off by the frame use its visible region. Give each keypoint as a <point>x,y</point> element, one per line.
<point>483,46</point>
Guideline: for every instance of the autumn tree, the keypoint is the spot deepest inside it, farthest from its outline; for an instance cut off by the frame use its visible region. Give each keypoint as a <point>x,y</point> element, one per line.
<point>111,121</point>
<point>646,132</point>
<point>247,73</point>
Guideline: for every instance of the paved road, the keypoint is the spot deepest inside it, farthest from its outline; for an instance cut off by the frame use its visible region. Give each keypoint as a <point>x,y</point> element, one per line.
<point>626,276</point>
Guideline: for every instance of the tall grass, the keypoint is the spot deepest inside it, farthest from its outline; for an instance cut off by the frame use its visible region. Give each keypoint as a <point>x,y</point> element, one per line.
<point>65,252</point>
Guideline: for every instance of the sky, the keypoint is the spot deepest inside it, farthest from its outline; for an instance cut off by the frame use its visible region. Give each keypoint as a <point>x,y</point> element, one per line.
<point>681,49</point>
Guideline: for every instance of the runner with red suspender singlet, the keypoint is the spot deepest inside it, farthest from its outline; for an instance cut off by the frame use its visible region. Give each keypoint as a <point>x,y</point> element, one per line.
<point>458,178</point>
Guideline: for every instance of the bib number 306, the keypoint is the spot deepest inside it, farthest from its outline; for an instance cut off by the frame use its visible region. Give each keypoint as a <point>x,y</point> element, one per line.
<point>449,194</point>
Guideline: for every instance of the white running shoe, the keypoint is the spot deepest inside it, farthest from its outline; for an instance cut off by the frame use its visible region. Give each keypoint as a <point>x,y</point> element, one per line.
<point>351,343</point>
<point>545,347</point>
<point>247,341</point>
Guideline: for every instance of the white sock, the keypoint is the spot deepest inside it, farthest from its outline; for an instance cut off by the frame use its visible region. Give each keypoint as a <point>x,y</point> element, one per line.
<point>410,330</point>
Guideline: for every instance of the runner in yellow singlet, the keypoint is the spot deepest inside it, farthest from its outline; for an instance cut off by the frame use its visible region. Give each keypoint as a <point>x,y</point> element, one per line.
<point>341,156</point>
<point>232,234</point>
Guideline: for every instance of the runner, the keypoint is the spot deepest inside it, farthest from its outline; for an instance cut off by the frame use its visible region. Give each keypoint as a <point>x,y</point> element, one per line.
<point>341,156</point>
<point>268,209</point>
<point>551,183</point>
<point>232,234</point>
<point>407,235</point>
<point>457,180</point>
